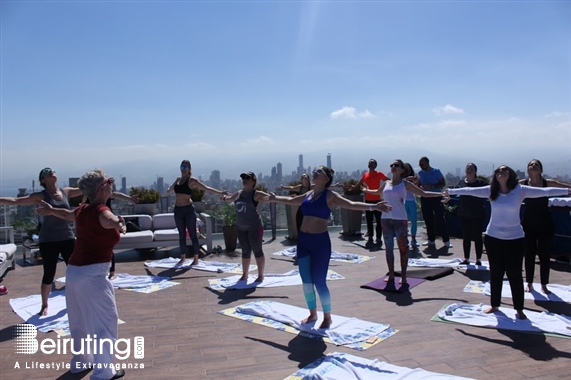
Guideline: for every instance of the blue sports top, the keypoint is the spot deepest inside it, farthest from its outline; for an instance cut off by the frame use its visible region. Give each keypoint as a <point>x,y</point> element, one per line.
<point>316,206</point>
<point>182,188</point>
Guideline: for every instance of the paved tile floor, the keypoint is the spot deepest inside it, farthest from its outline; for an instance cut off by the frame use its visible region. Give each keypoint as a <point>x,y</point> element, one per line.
<point>186,339</point>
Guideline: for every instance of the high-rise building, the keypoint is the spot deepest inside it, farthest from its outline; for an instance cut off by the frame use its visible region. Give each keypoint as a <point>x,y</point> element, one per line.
<point>73,182</point>
<point>124,185</point>
<point>280,173</point>
<point>300,167</point>
<point>329,160</point>
<point>215,179</point>
<point>160,184</point>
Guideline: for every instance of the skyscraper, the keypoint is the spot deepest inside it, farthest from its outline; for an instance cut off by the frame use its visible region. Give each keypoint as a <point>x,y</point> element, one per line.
<point>280,174</point>
<point>300,167</point>
<point>329,160</point>
<point>160,184</point>
<point>124,185</point>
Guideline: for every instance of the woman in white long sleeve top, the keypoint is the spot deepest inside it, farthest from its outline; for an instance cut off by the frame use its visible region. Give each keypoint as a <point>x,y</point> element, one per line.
<point>504,239</point>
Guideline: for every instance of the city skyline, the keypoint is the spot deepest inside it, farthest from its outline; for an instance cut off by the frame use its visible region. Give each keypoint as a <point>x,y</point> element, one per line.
<point>135,87</point>
<point>214,177</point>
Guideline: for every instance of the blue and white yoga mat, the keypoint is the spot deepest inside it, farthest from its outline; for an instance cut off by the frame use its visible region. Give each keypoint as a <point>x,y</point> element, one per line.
<point>342,366</point>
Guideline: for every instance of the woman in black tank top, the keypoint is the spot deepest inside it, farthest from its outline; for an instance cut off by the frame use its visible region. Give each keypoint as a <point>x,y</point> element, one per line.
<point>184,212</point>
<point>538,226</point>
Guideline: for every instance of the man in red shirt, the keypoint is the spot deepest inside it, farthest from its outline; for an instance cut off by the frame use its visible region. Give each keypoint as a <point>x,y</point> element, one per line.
<point>373,179</point>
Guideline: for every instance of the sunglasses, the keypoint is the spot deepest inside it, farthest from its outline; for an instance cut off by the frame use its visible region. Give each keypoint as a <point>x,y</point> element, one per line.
<point>47,171</point>
<point>246,177</point>
<point>108,181</point>
<point>395,166</point>
<point>184,167</point>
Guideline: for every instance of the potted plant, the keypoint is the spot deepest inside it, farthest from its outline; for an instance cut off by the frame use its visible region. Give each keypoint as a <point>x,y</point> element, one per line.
<point>29,225</point>
<point>148,199</point>
<point>227,214</point>
<point>350,219</point>
<point>197,195</point>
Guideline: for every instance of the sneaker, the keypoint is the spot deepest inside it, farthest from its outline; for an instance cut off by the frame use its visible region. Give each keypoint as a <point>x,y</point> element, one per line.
<point>465,262</point>
<point>429,243</point>
<point>562,259</point>
<point>3,290</point>
<point>478,263</point>
<point>447,244</point>
<point>414,243</point>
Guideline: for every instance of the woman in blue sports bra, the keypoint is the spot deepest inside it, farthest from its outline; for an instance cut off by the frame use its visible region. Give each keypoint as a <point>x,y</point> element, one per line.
<point>184,213</point>
<point>313,243</point>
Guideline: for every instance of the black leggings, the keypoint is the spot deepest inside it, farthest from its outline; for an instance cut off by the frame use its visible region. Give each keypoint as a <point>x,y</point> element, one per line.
<point>505,256</point>
<point>50,252</point>
<point>369,215</point>
<point>185,219</point>
<point>538,239</point>
<point>472,232</point>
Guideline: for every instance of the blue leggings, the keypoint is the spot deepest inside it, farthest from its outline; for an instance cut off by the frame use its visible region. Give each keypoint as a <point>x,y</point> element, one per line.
<point>185,219</point>
<point>313,255</point>
<point>410,207</point>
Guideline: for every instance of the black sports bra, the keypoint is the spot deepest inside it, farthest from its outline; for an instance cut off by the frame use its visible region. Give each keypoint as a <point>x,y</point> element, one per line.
<point>182,188</point>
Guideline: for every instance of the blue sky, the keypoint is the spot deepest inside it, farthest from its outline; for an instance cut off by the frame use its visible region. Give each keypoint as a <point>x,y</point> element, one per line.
<point>135,87</point>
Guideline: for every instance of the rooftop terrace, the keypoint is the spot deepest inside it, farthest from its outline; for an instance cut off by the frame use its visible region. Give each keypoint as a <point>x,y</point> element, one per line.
<point>186,339</point>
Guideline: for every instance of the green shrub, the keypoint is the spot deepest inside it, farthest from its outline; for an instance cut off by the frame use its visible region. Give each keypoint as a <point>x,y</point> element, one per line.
<point>145,195</point>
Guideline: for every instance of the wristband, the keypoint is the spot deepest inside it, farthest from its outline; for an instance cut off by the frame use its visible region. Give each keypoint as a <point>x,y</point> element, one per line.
<point>370,207</point>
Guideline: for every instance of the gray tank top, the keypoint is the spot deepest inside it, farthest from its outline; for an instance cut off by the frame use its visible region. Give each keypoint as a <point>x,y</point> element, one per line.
<point>247,217</point>
<point>53,228</point>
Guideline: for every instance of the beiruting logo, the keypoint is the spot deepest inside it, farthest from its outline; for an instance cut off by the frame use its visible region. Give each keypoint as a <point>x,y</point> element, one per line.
<point>26,342</point>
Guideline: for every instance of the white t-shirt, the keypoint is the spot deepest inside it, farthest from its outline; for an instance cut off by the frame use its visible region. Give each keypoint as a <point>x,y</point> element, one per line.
<point>395,196</point>
<point>505,221</point>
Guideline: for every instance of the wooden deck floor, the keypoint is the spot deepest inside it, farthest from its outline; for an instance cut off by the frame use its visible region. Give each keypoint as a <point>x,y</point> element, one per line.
<point>186,339</point>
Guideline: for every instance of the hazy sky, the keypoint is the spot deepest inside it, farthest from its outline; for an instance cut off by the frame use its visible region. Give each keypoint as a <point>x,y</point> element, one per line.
<point>240,85</point>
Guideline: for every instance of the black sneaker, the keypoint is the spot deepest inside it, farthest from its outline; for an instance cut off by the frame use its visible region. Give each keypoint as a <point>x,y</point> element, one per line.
<point>563,259</point>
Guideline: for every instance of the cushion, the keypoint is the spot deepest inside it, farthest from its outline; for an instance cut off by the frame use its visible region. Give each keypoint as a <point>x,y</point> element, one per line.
<point>136,237</point>
<point>163,221</point>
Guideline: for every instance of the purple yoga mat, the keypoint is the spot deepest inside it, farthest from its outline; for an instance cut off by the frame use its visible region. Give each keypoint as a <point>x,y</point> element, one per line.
<point>381,284</point>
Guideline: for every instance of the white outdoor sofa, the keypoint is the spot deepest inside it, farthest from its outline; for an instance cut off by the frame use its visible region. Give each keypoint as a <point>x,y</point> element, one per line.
<point>7,252</point>
<point>160,231</point>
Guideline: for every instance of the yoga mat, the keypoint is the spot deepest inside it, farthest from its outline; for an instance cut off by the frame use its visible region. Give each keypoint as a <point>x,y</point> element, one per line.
<point>352,258</point>
<point>381,284</point>
<point>208,266</point>
<point>559,293</point>
<point>427,273</point>
<point>28,307</point>
<point>271,280</point>
<point>286,318</point>
<point>140,284</point>
<point>545,323</point>
<point>342,366</point>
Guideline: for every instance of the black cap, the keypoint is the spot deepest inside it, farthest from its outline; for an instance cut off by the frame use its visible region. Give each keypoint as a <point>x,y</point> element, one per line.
<point>248,175</point>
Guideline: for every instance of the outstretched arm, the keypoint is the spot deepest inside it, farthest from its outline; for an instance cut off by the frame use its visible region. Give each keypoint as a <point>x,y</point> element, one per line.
<point>62,213</point>
<point>72,192</point>
<point>418,191</point>
<point>290,188</point>
<point>110,221</point>
<point>231,198</point>
<point>378,191</point>
<point>193,182</point>
<point>337,200</point>
<point>293,201</point>
<point>22,201</point>
<point>124,197</point>
<point>554,183</point>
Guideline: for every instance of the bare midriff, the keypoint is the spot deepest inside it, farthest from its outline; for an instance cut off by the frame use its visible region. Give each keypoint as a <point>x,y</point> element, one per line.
<point>182,200</point>
<point>313,225</point>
